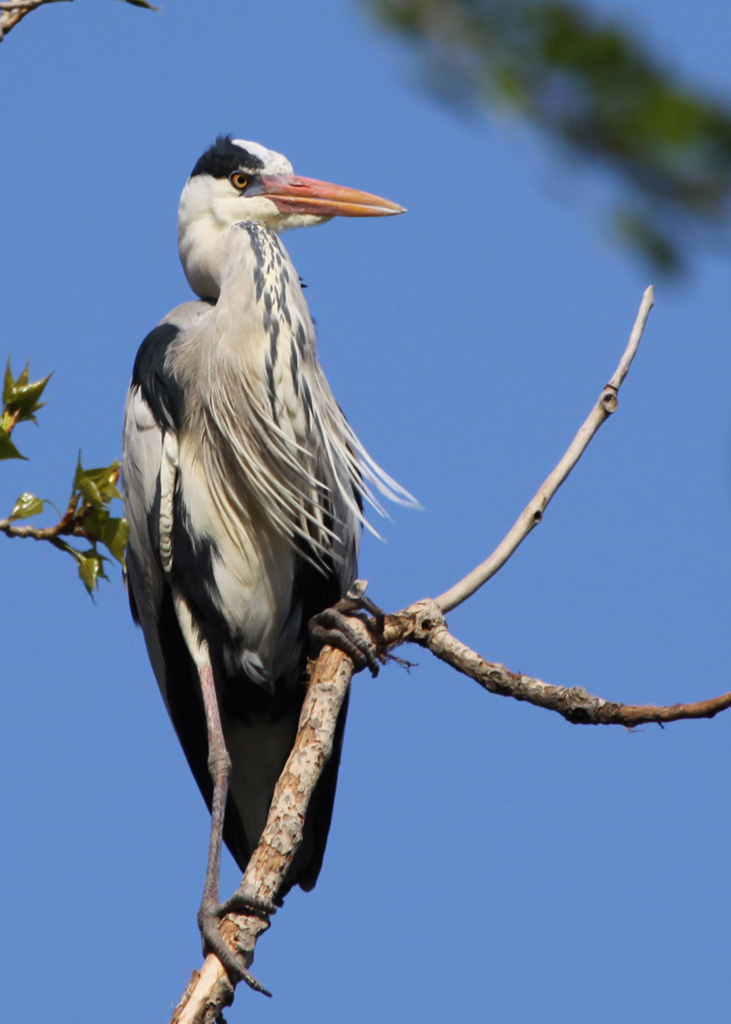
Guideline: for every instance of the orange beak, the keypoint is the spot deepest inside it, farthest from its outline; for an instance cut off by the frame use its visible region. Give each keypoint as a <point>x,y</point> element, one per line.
<point>292,194</point>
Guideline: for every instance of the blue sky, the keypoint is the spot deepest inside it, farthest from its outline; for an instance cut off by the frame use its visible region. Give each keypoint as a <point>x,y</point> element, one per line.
<point>487,861</point>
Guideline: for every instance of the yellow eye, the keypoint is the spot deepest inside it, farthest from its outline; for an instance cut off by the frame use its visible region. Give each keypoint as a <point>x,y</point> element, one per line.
<point>239,180</point>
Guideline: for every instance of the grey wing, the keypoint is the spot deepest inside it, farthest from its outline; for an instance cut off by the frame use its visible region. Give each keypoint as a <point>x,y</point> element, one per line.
<point>149,469</point>
<point>149,592</point>
<point>143,448</point>
<point>152,418</point>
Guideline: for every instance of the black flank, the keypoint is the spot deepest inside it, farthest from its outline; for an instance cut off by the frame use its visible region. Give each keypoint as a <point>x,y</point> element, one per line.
<point>159,387</point>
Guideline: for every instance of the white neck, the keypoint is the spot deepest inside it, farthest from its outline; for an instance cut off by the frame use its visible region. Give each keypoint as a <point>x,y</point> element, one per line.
<point>203,249</point>
<point>201,235</point>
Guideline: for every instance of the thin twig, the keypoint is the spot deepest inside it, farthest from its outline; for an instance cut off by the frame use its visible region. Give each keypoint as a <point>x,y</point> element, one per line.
<point>70,525</point>
<point>532,514</point>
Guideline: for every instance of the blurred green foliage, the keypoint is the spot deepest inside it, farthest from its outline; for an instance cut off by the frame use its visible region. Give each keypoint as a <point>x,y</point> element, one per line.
<point>594,89</point>
<point>88,511</point>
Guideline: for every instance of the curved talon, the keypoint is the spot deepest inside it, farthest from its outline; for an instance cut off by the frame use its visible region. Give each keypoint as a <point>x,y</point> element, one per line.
<point>331,627</point>
<point>209,920</point>
<point>241,903</point>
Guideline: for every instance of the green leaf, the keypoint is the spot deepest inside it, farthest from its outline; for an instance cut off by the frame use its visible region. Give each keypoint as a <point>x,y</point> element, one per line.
<point>115,537</point>
<point>90,492</point>
<point>95,522</point>
<point>110,531</point>
<point>90,564</point>
<point>97,486</point>
<point>20,397</point>
<point>27,505</point>
<point>7,448</point>
<point>91,568</point>
<point>8,384</point>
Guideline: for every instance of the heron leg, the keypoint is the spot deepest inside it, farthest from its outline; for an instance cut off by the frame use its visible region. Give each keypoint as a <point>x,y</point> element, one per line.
<point>331,626</point>
<point>219,767</point>
<point>211,911</point>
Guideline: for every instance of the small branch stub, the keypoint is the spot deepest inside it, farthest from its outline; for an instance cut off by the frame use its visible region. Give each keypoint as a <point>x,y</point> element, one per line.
<point>609,399</point>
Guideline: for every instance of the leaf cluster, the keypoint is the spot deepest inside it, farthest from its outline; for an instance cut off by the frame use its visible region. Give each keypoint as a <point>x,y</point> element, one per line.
<point>91,496</point>
<point>20,402</point>
<point>88,512</point>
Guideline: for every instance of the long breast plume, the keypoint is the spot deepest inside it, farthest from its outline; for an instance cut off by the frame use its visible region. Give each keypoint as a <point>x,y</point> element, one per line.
<point>275,446</point>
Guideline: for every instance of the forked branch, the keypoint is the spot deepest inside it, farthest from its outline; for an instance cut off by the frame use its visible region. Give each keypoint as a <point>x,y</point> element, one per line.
<point>422,623</point>
<point>210,990</point>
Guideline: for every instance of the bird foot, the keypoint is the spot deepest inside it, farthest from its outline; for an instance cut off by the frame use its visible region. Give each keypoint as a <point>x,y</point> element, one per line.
<point>331,627</point>
<point>243,903</point>
<point>210,916</point>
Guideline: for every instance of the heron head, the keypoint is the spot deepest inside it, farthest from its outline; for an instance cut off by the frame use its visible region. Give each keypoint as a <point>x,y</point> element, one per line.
<point>237,181</point>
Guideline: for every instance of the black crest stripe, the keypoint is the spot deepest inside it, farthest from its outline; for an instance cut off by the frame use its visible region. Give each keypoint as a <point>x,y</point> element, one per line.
<point>224,157</point>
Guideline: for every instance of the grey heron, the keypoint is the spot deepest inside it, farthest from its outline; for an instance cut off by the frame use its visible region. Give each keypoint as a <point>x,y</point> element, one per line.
<point>244,487</point>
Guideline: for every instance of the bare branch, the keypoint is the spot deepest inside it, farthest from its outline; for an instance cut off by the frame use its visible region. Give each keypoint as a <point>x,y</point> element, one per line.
<point>13,11</point>
<point>532,514</point>
<point>70,525</point>
<point>210,990</point>
<point>423,623</point>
